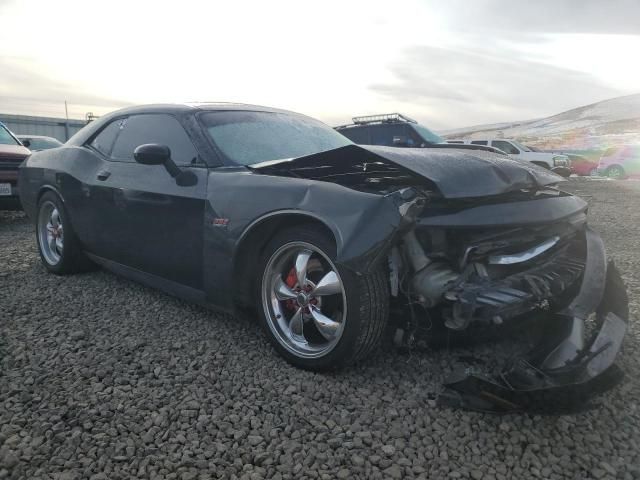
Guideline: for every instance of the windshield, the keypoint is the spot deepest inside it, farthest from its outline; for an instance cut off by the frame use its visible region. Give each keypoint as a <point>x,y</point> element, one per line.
<point>246,138</point>
<point>6,138</point>
<point>524,148</point>
<point>427,135</point>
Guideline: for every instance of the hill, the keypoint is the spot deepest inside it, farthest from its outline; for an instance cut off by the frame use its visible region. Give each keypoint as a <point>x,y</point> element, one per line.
<point>600,125</point>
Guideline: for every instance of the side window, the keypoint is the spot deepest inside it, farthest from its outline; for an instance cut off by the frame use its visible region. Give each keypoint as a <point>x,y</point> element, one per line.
<point>382,135</point>
<point>479,142</point>
<point>103,142</point>
<point>154,128</point>
<point>359,135</point>
<point>392,136</point>
<point>505,146</point>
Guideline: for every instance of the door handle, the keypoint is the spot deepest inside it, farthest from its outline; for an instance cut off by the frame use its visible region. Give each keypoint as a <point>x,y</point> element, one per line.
<point>103,175</point>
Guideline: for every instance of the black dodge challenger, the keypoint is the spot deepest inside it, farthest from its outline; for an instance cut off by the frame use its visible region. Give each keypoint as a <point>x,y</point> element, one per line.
<point>238,206</point>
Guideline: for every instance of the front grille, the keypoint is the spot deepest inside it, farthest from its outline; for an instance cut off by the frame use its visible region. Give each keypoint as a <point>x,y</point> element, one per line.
<point>484,299</point>
<point>11,158</point>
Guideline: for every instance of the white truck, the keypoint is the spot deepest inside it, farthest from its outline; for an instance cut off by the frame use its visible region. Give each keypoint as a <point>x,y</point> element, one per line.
<point>559,164</point>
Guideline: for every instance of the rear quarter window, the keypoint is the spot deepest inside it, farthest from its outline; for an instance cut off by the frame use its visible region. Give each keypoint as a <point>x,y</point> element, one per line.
<point>103,142</point>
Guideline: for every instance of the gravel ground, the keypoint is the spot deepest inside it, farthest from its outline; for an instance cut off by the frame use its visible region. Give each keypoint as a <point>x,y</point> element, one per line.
<point>102,378</point>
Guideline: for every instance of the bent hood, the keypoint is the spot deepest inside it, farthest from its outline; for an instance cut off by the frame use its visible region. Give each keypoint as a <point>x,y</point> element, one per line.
<point>455,173</point>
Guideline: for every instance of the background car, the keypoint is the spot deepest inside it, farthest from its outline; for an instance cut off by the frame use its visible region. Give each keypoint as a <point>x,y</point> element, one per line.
<point>396,130</point>
<point>36,143</point>
<point>620,162</point>
<point>581,163</point>
<point>12,153</point>
<point>557,163</point>
<point>391,130</point>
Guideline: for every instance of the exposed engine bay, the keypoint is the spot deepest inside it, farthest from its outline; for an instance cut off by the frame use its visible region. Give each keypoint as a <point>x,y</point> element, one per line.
<point>469,277</point>
<point>475,275</point>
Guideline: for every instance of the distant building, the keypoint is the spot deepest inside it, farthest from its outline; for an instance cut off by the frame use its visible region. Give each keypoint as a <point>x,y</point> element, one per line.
<point>59,128</point>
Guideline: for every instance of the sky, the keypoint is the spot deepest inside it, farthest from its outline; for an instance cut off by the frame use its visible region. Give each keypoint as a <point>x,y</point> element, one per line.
<point>448,64</point>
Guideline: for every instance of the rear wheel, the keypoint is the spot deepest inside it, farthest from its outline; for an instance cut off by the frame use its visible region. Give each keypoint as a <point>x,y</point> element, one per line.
<point>58,245</point>
<point>615,171</point>
<point>317,315</point>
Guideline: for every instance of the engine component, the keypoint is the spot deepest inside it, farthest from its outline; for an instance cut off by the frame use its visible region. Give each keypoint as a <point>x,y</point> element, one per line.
<point>432,282</point>
<point>526,255</point>
<point>431,279</point>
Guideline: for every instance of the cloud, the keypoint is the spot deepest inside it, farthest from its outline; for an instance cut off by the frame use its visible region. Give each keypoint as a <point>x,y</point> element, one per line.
<point>450,63</point>
<point>453,87</point>
<point>24,89</point>
<point>546,16</point>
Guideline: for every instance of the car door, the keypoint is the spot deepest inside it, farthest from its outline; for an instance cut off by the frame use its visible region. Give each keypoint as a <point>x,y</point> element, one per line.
<point>142,218</point>
<point>506,147</point>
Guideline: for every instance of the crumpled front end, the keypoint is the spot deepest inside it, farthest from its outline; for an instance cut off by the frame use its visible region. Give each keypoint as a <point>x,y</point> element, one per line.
<point>474,242</point>
<point>506,271</point>
<point>569,366</point>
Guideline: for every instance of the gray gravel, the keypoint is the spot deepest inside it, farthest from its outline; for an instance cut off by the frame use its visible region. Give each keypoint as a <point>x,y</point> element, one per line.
<point>102,378</point>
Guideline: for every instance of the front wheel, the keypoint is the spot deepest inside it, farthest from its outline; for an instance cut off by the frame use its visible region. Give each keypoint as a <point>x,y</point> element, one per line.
<point>317,315</point>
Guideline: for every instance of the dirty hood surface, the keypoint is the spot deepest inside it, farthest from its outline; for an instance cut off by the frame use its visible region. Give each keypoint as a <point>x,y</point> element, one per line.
<point>455,173</point>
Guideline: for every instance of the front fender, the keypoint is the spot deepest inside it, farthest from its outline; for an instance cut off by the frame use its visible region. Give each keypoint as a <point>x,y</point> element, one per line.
<point>364,224</point>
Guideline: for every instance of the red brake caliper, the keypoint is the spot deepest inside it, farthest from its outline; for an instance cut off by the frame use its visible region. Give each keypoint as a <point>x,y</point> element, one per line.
<point>290,304</point>
<point>291,281</point>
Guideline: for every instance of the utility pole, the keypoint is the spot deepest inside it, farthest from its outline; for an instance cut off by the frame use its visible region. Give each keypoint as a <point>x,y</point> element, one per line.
<point>66,124</point>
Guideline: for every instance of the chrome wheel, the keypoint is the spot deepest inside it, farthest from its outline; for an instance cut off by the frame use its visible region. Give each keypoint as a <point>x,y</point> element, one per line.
<point>304,300</point>
<point>50,233</point>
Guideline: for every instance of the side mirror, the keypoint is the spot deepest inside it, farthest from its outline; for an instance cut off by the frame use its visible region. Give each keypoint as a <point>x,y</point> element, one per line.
<point>26,143</point>
<point>156,154</point>
<point>152,154</point>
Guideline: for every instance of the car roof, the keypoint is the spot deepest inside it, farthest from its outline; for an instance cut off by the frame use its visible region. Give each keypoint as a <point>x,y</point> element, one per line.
<point>170,108</point>
<point>193,106</point>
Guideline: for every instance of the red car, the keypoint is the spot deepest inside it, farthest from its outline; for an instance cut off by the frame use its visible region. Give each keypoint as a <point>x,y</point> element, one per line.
<point>12,153</point>
<point>620,162</point>
<point>581,165</point>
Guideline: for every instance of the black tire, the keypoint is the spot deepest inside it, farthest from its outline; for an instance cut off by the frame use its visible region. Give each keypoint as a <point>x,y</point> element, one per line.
<point>615,171</point>
<point>72,259</point>
<point>367,304</point>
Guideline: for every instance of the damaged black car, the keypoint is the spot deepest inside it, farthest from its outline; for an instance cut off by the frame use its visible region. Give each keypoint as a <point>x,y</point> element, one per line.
<point>243,207</point>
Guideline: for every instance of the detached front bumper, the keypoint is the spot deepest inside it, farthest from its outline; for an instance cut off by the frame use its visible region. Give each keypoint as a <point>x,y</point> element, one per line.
<point>566,369</point>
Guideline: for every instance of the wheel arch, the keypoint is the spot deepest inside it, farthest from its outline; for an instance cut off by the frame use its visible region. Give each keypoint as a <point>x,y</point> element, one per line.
<point>257,235</point>
<point>48,188</point>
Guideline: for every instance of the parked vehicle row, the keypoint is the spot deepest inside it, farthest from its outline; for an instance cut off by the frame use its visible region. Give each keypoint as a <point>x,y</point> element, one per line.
<point>12,154</point>
<point>394,130</point>
<point>557,163</point>
<point>620,162</point>
<point>245,207</point>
